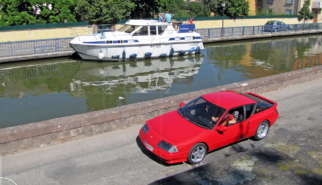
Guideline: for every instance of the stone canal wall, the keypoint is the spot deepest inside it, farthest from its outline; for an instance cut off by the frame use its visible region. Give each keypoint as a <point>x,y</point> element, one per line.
<point>40,134</point>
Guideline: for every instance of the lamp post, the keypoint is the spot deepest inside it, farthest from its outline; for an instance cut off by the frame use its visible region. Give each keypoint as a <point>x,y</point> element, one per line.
<point>223,4</point>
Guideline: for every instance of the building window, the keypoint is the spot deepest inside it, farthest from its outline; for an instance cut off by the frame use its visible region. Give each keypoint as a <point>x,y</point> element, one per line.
<point>289,1</point>
<point>270,1</point>
<point>288,11</point>
<point>259,3</point>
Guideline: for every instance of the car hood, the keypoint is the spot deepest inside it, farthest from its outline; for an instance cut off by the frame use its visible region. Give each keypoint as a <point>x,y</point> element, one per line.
<point>174,127</point>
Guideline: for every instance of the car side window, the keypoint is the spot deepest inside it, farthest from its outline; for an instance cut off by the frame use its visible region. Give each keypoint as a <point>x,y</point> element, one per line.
<point>249,109</point>
<point>278,23</point>
<point>261,106</point>
<point>237,113</point>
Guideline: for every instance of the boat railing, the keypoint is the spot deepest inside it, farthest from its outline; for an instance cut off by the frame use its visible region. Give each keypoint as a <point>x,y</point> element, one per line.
<point>77,32</point>
<point>102,28</point>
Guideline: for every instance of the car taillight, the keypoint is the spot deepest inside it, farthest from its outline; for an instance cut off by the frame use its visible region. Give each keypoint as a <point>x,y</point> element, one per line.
<point>273,26</point>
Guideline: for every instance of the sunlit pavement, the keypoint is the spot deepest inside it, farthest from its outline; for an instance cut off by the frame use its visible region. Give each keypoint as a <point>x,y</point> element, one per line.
<point>291,151</point>
<point>295,159</point>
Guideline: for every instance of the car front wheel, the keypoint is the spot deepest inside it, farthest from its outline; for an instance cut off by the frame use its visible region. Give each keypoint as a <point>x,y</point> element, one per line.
<point>262,131</point>
<point>197,153</point>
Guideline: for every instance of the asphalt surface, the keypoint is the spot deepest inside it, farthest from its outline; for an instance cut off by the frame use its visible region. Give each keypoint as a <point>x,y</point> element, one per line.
<point>119,157</point>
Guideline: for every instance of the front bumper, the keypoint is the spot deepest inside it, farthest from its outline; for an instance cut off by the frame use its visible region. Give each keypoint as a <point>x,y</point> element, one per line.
<point>167,157</point>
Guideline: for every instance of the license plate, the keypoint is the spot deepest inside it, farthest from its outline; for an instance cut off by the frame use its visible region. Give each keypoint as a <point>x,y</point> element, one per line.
<point>148,146</point>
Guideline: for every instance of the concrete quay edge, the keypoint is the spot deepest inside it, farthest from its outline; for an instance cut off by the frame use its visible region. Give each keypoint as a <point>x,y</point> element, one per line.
<point>17,58</point>
<point>204,40</point>
<point>49,132</point>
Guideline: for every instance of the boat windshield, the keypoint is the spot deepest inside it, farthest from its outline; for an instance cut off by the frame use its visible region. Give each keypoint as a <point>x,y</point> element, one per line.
<point>201,111</point>
<point>126,28</point>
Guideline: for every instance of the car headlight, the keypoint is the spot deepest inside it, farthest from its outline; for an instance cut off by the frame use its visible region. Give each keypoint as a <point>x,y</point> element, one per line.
<point>145,128</point>
<point>167,147</point>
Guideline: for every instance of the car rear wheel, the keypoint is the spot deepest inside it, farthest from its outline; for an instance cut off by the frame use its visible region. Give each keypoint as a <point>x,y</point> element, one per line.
<point>262,131</point>
<point>197,153</point>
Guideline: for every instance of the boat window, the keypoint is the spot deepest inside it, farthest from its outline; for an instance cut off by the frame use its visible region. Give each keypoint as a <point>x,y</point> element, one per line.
<point>177,38</point>
<point>189,38</point>
<point>126,28</point>
<point>142,31</point>
<point>153,30</point>
<point>161,29</point>
<point>109,42</point>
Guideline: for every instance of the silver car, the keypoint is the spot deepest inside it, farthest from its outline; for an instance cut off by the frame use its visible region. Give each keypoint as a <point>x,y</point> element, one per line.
<point>275,26</point>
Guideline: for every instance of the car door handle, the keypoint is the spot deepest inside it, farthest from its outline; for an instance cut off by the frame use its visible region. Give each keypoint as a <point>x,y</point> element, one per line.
<point>248,123</point>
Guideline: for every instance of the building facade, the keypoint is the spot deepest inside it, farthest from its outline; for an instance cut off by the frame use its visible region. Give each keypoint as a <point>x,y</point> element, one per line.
<point>288,7</point>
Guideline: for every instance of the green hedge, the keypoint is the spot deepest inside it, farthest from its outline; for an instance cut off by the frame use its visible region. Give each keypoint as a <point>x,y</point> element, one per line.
<point>42,26</point>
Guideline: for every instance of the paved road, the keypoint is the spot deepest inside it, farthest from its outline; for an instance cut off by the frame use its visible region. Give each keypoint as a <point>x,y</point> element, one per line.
<point>118,157</point>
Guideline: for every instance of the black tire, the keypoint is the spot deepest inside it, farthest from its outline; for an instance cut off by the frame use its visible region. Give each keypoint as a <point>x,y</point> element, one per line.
<point>197,153</point>
<point>261,131</point>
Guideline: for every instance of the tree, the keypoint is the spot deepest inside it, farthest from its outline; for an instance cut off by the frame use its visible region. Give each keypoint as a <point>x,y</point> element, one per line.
<point>104,11</point>
<point>196,9</point>
<point>25,12</point>
<point>305,12</point>
<point>233,8</point>
<point>209,6</point>
<point>176,7</point>
<point>148,8</point>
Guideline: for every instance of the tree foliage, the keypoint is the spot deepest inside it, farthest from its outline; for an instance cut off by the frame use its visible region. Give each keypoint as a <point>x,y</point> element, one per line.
<point>305,12</point>
<point>24,12</point>
<point>148,8</point>
<point>209,6</point>
<point>104,11</point>
<point>233,8</point>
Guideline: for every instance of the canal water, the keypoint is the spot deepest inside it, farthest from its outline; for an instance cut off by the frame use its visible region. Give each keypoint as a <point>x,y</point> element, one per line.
<point>45,89</point>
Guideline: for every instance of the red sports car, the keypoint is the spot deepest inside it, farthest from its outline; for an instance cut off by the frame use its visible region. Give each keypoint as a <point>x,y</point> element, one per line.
<point>209,122</point>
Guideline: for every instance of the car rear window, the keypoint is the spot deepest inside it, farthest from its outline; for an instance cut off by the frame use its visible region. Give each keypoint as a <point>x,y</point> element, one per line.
<point>261,104</point>
<point>270,22</point>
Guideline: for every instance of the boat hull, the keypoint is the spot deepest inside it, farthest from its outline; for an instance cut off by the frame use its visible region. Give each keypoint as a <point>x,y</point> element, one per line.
<point>132,52</point>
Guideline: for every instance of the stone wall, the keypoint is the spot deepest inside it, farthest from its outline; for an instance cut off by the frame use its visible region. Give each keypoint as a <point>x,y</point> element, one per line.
<point>35,135</point>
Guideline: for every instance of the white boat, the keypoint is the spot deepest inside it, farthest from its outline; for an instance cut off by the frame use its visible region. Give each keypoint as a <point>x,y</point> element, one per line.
<point>139,39</point>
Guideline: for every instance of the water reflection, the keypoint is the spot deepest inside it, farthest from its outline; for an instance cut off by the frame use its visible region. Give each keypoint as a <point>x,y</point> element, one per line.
<point>48,89</point>
<point>119,80</point>
<point>262,58</point>
<point>45,89</point>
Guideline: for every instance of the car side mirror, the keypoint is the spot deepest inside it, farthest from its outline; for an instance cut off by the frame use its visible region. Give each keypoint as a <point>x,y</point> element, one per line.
<point>181,104</point>
<point>222,128</point>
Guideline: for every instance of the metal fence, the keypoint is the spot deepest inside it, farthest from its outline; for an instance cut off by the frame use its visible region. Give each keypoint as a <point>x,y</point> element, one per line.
<point>59,45</point>
<point>34,47</point>
<point>256,30</point>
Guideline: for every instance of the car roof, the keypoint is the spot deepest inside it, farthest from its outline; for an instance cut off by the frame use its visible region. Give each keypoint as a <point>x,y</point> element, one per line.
<point>228,99</point>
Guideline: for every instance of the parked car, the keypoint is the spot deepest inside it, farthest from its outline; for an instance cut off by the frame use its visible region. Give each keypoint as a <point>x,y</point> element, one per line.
<point>275,26</point>
<point>200,126</point>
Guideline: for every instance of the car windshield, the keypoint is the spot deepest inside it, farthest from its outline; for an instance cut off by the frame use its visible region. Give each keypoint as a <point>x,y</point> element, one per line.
<point>201,111</point>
